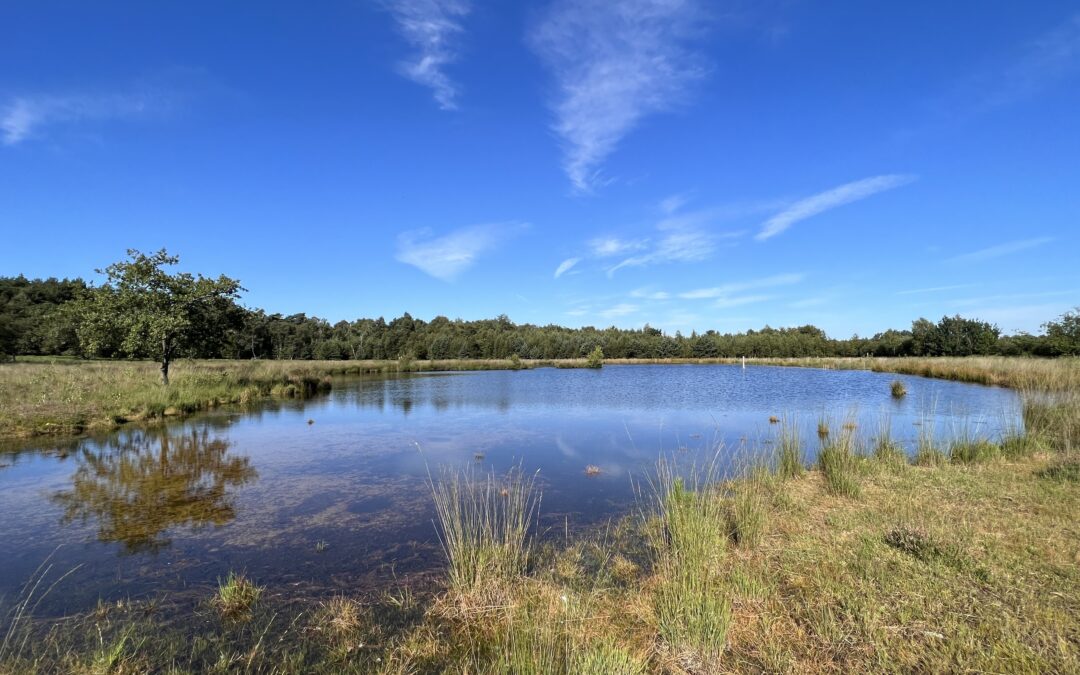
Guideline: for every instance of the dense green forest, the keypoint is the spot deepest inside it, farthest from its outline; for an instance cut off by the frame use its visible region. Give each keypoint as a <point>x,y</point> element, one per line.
<point>37,318</point>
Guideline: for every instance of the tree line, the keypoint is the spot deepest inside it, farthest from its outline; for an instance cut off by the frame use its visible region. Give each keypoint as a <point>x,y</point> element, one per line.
<point>142,311</point>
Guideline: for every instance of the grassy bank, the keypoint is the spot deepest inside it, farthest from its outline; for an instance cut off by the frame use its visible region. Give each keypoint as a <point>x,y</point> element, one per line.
<point>65,397</point>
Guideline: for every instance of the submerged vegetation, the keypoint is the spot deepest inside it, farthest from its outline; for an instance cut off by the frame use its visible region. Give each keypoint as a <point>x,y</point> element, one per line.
<point>961,558</point>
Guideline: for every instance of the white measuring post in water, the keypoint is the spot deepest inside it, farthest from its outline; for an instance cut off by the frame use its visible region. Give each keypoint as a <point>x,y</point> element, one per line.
<point>744,362</point>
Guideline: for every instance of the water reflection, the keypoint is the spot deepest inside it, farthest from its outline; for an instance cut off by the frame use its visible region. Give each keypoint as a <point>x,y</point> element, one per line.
<point>139,486</point>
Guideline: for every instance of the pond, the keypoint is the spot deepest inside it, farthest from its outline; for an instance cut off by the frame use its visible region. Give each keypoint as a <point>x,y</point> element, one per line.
<point>331,495</point>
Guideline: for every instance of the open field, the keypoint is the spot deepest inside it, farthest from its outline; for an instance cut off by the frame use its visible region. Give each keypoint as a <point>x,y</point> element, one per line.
<point>66,397</point>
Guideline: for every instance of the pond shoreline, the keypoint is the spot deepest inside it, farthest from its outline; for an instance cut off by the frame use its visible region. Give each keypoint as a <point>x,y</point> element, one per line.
<point>65,398</point>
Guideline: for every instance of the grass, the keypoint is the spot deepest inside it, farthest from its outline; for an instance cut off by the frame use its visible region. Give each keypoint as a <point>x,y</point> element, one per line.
<point>838,461</point>
<point>790,460</point>
<point>963,563</point>
<point>484,525</point>
<point>898,389</point>
<point>236,596</point>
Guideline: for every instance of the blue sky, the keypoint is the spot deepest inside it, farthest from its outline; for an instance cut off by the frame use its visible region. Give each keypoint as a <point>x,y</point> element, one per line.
<point>691,165</point>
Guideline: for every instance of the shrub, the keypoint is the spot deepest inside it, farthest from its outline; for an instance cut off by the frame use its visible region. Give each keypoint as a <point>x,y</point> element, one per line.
<point>898,389</point>
<point>595,359</point>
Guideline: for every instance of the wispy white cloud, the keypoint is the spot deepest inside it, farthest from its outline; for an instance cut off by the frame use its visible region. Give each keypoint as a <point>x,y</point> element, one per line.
<point>1044,61</point>
<point>25,117</point>
<point>432,28</point>
<point>815,301</point>
<point>678,245</point>
<point>1007,248</point>
<point>606,247</point>
<point>726,290</point>
<point>1014,297</point>
<point>740,300</point>
<point>674,202</point>
<point>621,309</point>
<point>614,63</point>
<point>649,294</point>
<point>565,266</point>
<point>934,289</point>
<point>830,199</point>
<point>446,257</point>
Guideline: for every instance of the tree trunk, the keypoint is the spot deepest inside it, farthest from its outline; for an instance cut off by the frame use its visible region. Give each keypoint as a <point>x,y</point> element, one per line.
<point>165,354</point>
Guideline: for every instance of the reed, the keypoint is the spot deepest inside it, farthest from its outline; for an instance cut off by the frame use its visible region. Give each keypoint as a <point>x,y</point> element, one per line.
<point>838,461</point>
<point>484,524</point>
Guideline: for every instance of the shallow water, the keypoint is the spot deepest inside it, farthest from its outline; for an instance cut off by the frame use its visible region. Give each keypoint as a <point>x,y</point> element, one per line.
<point>343,504</point>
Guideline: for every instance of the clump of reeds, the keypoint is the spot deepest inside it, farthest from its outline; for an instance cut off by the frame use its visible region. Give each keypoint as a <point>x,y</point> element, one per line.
<point>592,470</point>
<point>838,462</point>
<point>823,428</point>
<point>790,462</point>
<point>484,524</point>
<point>236,596</point>
<point>749,508</point>
<point>967,446</point>
<point>886,450</point>
<point>692,609</point>
<point>898,389</point>
<point>773,419</point>
<point>927,452</point>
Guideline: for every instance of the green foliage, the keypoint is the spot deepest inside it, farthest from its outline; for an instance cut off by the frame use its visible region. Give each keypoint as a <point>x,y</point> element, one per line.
<point>40,317</point>
<point>595,358</point>
<point>1063,335</point>
<point>953,336</point>
<point>143,310</point>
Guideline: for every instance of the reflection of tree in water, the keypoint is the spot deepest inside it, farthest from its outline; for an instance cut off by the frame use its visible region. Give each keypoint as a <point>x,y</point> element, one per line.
<point>143,485</point>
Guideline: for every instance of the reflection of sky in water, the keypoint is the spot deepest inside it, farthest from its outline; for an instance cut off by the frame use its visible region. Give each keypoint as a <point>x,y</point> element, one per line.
<point>170,509</point>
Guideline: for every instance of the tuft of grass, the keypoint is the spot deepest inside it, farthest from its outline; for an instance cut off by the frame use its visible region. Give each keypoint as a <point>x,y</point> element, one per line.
<point>927,452</point>
<point>838,462</point>
<point>898,389</point>
<point>236,597</point>
<point>973,450</point>
<point>693,617</point>
<point>339,617</point>
<point>887,451</point>
<point>592,470</point>
<point>605,657</point>
<point>790,461</point>
<point>484,525</point>
<point>749,508</point>
<point>692,610</point>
